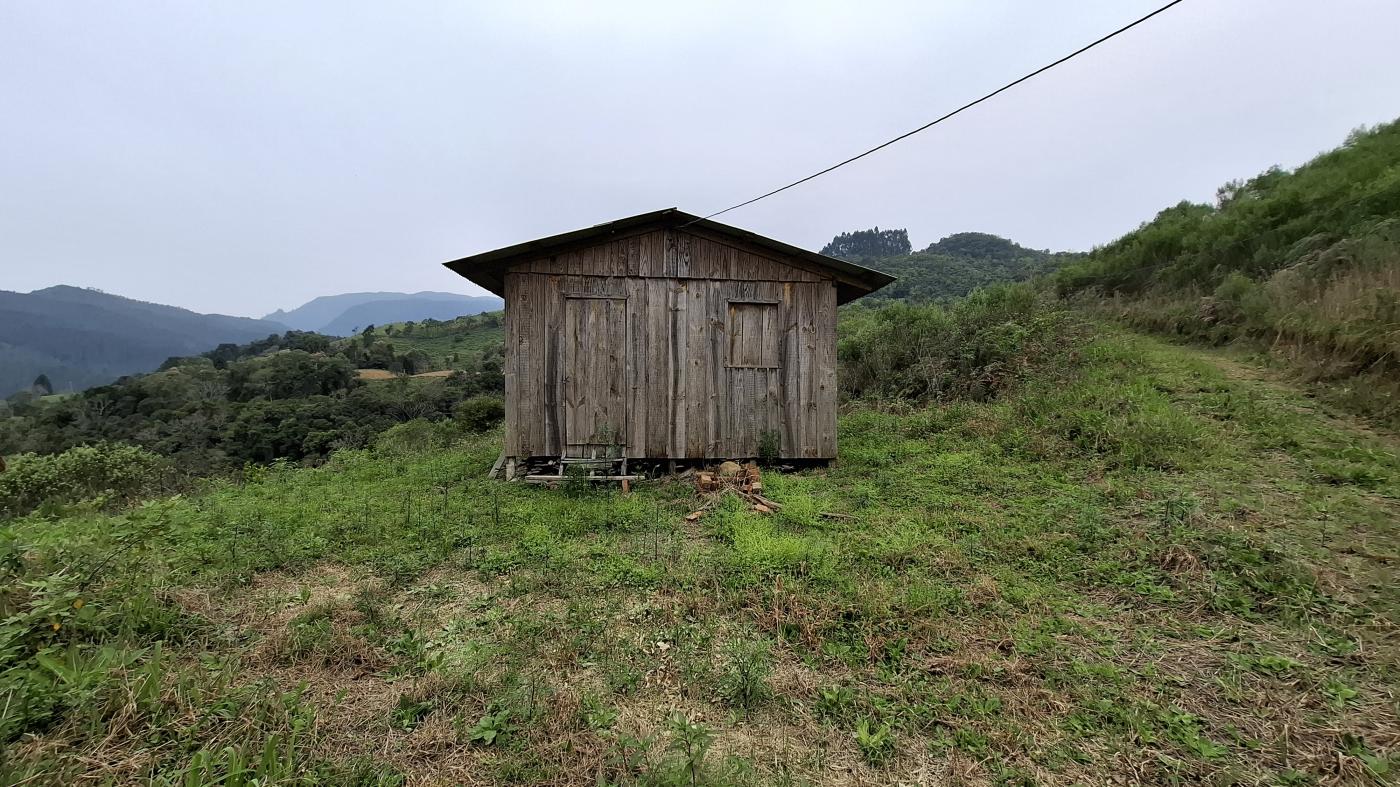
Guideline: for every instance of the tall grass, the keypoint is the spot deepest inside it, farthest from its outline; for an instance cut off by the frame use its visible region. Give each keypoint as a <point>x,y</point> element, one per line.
<point>1304,264</point>
<point>973,349</point>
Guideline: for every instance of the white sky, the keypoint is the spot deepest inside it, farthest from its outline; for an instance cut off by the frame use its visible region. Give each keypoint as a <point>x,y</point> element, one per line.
<point>242,156</point>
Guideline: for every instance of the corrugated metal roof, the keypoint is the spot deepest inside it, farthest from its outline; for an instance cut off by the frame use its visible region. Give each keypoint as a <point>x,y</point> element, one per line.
<point>487,269</point>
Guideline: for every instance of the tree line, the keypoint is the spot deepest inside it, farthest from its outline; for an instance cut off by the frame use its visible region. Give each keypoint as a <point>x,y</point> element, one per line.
<point>295,396</point>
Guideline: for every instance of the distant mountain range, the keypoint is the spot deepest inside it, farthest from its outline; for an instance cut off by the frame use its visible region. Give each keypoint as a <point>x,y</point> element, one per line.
<point>342,315</point>
<point>81,338</point>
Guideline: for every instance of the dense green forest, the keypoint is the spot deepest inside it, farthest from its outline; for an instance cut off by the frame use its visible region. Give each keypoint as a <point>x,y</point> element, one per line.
<point>1304,262</point>
<point>948,269</point>
<point>293,396</point>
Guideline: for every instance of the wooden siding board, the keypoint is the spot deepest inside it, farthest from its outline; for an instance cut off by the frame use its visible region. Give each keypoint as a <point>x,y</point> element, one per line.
<point>512,386</point>
<point>787,362</point>
<point>679,358</point>
<point>825,352</point>
<point>670,254</point>
<point>551,383</point>
<point>638,412</point>
<point>692,436</point>
<point>655,371</point>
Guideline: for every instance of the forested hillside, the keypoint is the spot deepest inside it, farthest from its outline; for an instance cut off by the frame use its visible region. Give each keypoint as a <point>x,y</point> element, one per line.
<point>1304,262</point>
<point>293,396</point>
<point>444,344</point>
<point>78,338</point>
<point>950,268</point>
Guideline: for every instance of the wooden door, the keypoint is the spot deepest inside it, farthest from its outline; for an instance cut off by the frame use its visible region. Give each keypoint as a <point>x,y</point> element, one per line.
<point>593,365</point>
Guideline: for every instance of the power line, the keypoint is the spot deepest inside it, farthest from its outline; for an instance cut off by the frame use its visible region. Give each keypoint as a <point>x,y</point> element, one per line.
<point>932,123</point>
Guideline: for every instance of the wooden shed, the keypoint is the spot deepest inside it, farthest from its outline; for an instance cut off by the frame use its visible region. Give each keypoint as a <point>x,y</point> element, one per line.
<point>664,336</point>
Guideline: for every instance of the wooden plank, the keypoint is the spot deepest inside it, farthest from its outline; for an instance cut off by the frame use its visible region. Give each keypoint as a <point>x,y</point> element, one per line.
<point>525,355</point>
<point>678,364</point>
<point>652,248</point>
<point>734,259</point>
<point>634,375</point>
<point>508,367</point>
<point>634,257</point>
<point>683,240</point>
<point>787,366</point>
<point>551,366</point>
<point>826,371</point>
<point>690,440</point>
<point>802,370</point>
<point>668,264</point>
<point>656,371</point>
<point>599,478</point>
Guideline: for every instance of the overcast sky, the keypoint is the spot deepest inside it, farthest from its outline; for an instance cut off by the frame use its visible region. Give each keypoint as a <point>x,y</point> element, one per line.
<point>243,156</point>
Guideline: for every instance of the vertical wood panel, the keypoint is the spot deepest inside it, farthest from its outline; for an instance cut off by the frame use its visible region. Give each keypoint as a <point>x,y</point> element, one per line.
<point>551,382</point>
<point>826,370</point>
<point>638,408</point>
<point>692,435</point>
<point>656,374</point>
<point>667,353</point>
<point>679,357</point>
<point>508,370</point>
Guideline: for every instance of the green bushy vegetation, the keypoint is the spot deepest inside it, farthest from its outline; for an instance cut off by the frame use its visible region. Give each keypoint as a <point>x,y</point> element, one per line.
<point>294,397</point>
<point>1303,263</point>
<point>104,473</point>
<point>446,344</point>
<point>951,268</point>
<point>971,349</point>
<point>1118,562</point>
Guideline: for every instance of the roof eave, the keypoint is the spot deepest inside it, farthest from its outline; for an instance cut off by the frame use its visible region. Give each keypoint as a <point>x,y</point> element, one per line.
<point>486,270</point>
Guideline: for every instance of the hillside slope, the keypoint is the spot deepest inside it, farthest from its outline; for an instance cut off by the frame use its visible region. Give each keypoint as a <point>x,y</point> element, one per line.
<point>1132,567</point>
<point>450,344</point>
<point>339,315</point>
<point>81,338</point>
<point>1304,264</point>
<point>293,396</point>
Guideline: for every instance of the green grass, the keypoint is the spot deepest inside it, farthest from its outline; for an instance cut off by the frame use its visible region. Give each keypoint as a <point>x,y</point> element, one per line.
<point>1154,569</point>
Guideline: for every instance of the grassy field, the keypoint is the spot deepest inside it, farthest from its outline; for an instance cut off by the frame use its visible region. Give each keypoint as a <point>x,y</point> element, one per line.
<point>1158,565</point>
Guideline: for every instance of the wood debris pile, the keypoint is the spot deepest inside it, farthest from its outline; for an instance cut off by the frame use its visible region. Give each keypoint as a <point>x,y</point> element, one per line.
<point>732,478</point>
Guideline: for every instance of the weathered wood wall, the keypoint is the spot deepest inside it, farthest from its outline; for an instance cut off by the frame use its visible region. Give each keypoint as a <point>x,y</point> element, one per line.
<point>672,345</point>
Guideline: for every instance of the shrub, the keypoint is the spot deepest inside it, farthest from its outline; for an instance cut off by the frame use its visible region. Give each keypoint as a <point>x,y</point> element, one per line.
<point>479,413</point>
<point>973,349</point>
<point>106,472</point>
<point>414,437</point>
